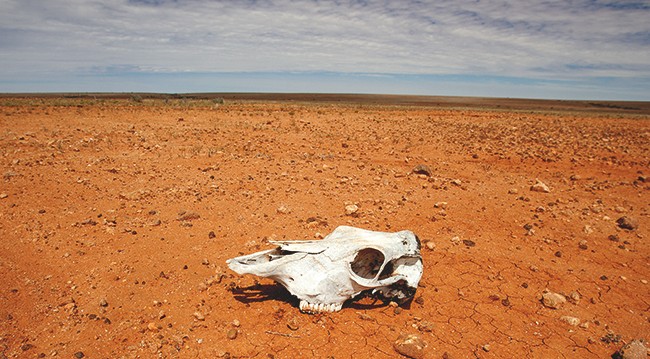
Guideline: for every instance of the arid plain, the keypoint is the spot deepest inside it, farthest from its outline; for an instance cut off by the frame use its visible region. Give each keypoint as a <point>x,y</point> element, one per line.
<point>117,216</point>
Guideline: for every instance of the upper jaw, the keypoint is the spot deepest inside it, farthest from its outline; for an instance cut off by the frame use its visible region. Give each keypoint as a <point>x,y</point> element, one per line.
<point>314,308</point>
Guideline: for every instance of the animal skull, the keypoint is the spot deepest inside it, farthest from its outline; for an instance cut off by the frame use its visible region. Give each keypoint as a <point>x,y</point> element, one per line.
<point>323,274</point>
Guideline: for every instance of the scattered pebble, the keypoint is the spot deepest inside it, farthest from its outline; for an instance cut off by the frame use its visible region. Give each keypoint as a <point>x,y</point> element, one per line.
<point>79,355</point>
<point>103,302</point>
<point>211,235</point>
<point>425,326</point>
<point>430,245</point>
<point>442,205</point>
<point>422,170</point>
<point>187,216</point>
<point>583,244</point>
<point>636,349</point>
<point>351,210</point>
<point>231,333</point>
<point>292,324</point>
<point>469,243</point>
<point>573,297</point>
<point>628,223</point>
<point>552,300</point>
<point>486,348</point>
<point>570,320</point>
<point>610,337</point>
<point>3,195</point>
<point>410,345</point>
<point>539,186</point>
<point>199,316</point>
<point>283,209</point>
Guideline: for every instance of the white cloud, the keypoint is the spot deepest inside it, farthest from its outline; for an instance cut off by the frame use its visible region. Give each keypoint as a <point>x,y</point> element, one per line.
<point>540,39</point>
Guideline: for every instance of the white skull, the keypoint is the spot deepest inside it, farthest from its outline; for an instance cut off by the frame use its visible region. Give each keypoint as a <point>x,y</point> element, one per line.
<point>325,273</point>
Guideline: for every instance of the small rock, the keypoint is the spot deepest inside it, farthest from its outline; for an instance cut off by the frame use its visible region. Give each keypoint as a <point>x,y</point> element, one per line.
<point>154,327</point>
<point>610,338</point>
<point>351,210</point>
<point>628,223</point>
<point>552,300</point>
<point>570,320</point>
<point>3,195</point>
<point>636,349</point>
<point>422,170</point>
<point>236,323</point>
<point>425,326</point>
<point>283,209</point>
<point>79,355</point>
<point>583,245</point>
<point>184,216</point>
<point>410,345</point>
<point>231,333</point>
<point>292,324</point>
<point>469,243</point>
<point>103,302</point>
<point>486,348</point>
<point>457,182</point>
<point>442,205</point>
<point>574,297</point>
<point>539,186</point>
<point>455,240</point>
<point>211,235</point>
<point>430,245</point>
<point>199,316</point>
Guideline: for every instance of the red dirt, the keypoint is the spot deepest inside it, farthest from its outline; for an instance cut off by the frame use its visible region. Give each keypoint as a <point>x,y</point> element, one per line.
<point>94,258</point>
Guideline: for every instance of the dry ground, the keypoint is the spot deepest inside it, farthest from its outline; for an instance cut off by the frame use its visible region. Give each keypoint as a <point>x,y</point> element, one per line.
<point>117,216</point>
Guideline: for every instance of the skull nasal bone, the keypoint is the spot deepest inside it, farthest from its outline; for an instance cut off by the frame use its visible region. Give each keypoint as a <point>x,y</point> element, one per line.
<point>367,263</point>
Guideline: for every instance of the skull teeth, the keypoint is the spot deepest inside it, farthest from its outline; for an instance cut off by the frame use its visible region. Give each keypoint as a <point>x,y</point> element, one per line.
<point>319,307</point>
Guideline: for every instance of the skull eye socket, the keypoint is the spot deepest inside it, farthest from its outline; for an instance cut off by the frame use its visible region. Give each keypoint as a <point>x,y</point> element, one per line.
<point>367,263</point>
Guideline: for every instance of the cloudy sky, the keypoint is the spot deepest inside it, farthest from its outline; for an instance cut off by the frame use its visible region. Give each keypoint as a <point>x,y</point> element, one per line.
<point>582,49</point>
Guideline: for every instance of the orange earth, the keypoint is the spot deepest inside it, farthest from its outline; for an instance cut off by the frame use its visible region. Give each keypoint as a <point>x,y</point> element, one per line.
<point>117,216</point>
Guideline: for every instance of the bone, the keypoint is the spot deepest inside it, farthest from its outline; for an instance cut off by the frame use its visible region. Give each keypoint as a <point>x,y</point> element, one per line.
<point>349,261</point>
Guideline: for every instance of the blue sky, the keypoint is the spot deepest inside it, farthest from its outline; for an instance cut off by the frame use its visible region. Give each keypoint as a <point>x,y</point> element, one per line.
<point>534,49</point>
